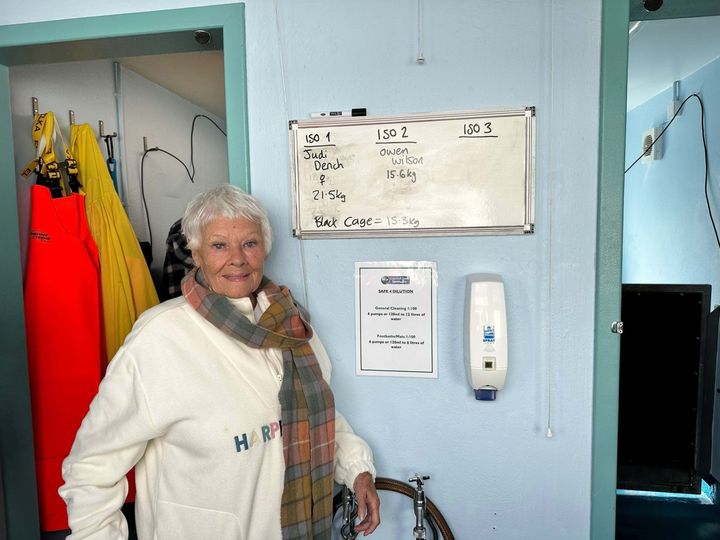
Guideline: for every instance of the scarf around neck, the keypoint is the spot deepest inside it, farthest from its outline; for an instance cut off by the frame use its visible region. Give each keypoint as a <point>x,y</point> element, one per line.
<point>307,403</point>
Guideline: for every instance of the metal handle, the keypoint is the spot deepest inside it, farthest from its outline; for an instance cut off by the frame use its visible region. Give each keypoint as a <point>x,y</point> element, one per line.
<point>418,479</point>
<point>349,513</point>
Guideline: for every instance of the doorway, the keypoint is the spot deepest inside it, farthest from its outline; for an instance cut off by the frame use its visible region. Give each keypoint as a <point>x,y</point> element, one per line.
<point>612,162</point>
<point>669,251</point>
<point>159,32</point>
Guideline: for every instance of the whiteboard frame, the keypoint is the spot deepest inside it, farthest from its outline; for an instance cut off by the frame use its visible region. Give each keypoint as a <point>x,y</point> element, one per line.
<point>528,227</point>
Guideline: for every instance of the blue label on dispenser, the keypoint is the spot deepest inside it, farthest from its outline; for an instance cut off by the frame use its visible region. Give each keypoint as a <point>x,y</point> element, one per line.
<point>488,334</point>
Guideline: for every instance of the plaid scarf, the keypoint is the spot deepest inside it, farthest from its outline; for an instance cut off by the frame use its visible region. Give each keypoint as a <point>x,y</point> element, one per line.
<point>308,407</point>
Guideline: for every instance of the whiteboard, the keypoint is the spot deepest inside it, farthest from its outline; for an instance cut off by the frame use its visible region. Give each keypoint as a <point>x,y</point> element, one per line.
<point>463,173</point>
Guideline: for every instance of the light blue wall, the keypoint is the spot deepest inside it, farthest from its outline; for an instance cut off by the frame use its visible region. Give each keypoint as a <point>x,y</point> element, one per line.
<point>668,236</point>
<point>495,472</point>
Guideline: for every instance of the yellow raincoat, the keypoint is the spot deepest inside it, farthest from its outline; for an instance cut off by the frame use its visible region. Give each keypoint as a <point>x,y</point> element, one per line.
<point>127,288</point>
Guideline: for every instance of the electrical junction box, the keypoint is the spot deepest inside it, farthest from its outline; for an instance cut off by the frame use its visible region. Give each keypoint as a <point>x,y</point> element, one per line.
<point>651,145</point>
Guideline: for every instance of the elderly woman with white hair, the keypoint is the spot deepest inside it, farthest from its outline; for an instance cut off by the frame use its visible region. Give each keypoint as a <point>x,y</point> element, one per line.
<point>220,400</point>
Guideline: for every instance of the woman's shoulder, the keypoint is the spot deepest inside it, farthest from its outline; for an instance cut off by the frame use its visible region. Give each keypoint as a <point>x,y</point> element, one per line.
<point>165,330</point>
<point>168,308</point>
<point>164,316</point>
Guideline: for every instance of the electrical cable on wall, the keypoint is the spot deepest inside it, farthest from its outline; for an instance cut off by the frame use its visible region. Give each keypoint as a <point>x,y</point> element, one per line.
<point>549,257</point>
<point>420,57</point>
<point>705,152</point>
<point>301,247</point>
<point>189,170</point>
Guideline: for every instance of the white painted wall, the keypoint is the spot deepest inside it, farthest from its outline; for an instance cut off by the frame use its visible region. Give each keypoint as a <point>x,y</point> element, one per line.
<point>165,119</point>
<point>148,110</point>
<point>495,473</point>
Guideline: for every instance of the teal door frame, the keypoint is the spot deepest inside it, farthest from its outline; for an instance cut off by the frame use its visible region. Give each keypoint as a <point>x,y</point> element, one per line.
<point>608,278</point>
<point>111,36</point>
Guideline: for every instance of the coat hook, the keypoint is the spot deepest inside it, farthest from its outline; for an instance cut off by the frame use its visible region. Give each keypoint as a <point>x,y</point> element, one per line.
<point>147,148</point>
<point>35,106</point>
<point>101,130</point>
<point>72,117</point>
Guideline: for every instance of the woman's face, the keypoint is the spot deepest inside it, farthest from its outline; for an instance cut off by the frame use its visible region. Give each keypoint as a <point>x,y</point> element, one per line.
<point>231,255</point>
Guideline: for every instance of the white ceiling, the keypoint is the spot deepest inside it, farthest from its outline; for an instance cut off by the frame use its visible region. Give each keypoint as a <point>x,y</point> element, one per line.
<point>198,77</point>
<point>664,51</point>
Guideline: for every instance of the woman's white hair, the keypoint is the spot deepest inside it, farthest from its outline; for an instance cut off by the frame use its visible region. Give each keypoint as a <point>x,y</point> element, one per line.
<point>224,201</point>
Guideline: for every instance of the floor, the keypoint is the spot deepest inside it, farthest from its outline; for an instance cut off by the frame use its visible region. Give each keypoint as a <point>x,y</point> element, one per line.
<point>652,518</point>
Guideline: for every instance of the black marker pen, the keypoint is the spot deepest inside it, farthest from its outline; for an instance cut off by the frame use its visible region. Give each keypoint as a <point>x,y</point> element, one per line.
<point>328,114</point>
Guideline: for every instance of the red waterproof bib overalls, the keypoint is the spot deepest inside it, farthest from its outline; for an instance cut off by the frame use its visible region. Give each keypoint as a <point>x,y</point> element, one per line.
<point>64,336</point>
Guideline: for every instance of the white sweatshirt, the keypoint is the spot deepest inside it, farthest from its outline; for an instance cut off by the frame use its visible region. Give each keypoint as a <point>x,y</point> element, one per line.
<point>197,413</point>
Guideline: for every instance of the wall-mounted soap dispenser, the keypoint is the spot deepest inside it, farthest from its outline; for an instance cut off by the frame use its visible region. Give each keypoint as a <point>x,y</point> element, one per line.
<point>486,348</point>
